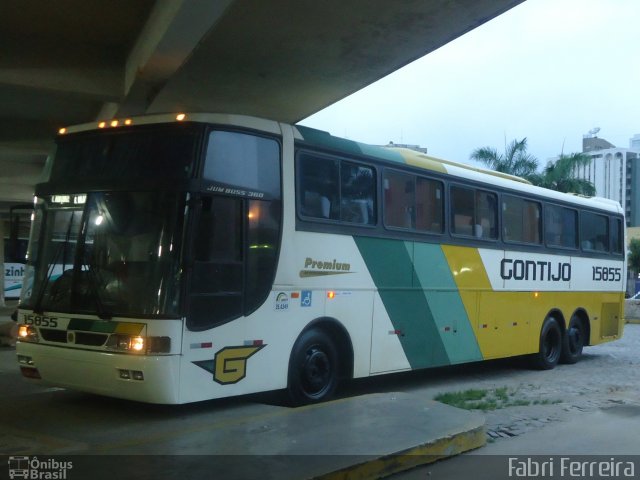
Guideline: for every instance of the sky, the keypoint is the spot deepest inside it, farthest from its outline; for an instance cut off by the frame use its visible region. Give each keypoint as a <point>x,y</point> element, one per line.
<point>547,70</point>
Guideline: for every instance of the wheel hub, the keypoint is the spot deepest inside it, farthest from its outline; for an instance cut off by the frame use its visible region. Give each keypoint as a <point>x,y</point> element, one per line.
<point>316,371</point>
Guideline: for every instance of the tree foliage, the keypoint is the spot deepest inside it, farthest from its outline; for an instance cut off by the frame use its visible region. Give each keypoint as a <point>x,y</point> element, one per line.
<point>515,160</point>
<point>559,175</point>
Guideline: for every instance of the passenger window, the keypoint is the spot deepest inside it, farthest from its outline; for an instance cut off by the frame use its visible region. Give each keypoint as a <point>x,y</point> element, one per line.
<point>561,227</point>
<point>522,220</point>
<point>594,232</point>
<point>486,215</point>
<point>318,188</point>
<point>358,193</point>
<point>336,190</point>
<point>429,206</point>
<point>616,235</point>
<point>399,200</point>
<point>474,213</point>
<point>462,206</point>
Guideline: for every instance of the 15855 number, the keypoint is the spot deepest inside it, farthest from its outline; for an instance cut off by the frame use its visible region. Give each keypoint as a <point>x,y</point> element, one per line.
<point>606,274</point>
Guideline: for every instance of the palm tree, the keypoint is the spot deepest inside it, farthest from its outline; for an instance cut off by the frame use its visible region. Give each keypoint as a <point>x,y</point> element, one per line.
<point>559,175</point>
<point>515,161</point>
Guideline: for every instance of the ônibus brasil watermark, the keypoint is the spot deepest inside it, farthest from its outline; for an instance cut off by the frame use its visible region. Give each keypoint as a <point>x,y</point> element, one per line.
<point>32,468</point>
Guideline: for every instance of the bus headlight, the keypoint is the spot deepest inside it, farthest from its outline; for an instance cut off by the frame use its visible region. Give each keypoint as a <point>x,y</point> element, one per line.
<point>138,344</point>
<point>27,333</point>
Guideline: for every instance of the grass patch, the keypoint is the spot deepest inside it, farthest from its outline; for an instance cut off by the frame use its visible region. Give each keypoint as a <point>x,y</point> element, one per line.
<point>461,399</point>
<point>547,402</point>
<point>489,399</point>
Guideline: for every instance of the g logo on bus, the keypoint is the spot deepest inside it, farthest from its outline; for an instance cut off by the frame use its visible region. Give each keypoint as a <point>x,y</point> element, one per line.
<point>230,364</point>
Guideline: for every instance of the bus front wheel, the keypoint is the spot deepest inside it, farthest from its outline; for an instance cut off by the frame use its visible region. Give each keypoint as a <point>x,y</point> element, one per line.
<point>573,341</point>
<point>550,349</point>
<point>313,368</point>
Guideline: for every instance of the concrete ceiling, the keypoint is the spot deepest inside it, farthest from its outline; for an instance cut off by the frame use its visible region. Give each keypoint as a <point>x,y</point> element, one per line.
<point>71,61</point>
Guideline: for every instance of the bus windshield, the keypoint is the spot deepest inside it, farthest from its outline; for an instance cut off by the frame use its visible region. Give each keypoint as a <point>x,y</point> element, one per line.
<point>114,253</point>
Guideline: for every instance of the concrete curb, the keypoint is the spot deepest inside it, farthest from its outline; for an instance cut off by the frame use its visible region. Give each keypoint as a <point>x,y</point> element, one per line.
<point>419,455</point>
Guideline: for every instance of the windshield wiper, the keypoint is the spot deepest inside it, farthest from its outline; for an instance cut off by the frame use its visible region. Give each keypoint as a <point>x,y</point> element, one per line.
<point>103,313</point>
<point>37,307</point>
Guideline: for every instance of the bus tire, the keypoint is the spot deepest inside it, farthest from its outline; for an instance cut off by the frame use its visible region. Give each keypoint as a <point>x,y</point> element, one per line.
<point>313,368</point>
<point>550,346</point>
<point>573,341</point>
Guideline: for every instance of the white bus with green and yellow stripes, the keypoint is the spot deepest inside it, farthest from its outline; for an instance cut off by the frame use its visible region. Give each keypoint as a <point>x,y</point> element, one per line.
<point>174,259</point>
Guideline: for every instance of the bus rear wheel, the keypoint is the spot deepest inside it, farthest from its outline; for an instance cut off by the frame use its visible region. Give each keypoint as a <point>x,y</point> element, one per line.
<point>550,348</point>
<point>313,368</point>
<point>573,341</point>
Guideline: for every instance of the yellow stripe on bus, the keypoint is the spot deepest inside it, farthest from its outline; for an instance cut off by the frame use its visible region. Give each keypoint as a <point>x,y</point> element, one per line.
<point>130,328</point>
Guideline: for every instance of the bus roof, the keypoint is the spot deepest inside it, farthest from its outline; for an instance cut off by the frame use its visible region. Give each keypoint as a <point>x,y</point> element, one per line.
<point>326,141</point>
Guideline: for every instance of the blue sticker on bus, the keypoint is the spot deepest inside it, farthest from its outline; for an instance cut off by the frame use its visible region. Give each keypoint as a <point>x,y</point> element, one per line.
<point>305,298</point>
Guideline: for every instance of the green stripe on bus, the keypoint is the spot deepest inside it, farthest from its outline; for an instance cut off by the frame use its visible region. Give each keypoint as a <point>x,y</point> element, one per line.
<point>391,267</point>
<point>434,275</point>
<point>92,325</point>
<point>324,139</point>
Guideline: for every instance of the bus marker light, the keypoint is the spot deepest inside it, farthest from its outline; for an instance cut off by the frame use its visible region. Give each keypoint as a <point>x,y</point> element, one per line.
<point>180,117</point>
<point>27,333</point>
<point>102,124</point>
<point>536,294</point>
<point>331,295</point>
<point>114,123</point>
<point>128,121</point>
<point>137,344</point>
<point>62,131</point>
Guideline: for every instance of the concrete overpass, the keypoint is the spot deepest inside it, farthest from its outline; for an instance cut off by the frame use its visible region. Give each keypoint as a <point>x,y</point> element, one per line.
<point>73,61</point>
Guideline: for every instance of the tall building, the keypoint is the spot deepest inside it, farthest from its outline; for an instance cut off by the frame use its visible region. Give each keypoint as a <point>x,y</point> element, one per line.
<point>615,172</point>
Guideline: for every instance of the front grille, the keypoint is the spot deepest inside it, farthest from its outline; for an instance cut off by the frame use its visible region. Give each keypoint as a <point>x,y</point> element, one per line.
<point>81,338</point>
<point>51,335</point>
<point>91,339</point>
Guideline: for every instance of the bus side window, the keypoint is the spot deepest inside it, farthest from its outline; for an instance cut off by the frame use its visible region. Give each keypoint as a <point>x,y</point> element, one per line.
<point>594,232</point>
<point>521,220</point>
<point>462,211</point>
<point>399,199</point>
<point>486,215</point>
<point>357,193</point>
<point>318,189</point>
<point>616,236</point>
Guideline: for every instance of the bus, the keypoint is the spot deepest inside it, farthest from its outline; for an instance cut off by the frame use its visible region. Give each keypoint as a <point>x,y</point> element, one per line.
<point>175,259</point>
<point>15,249</point>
